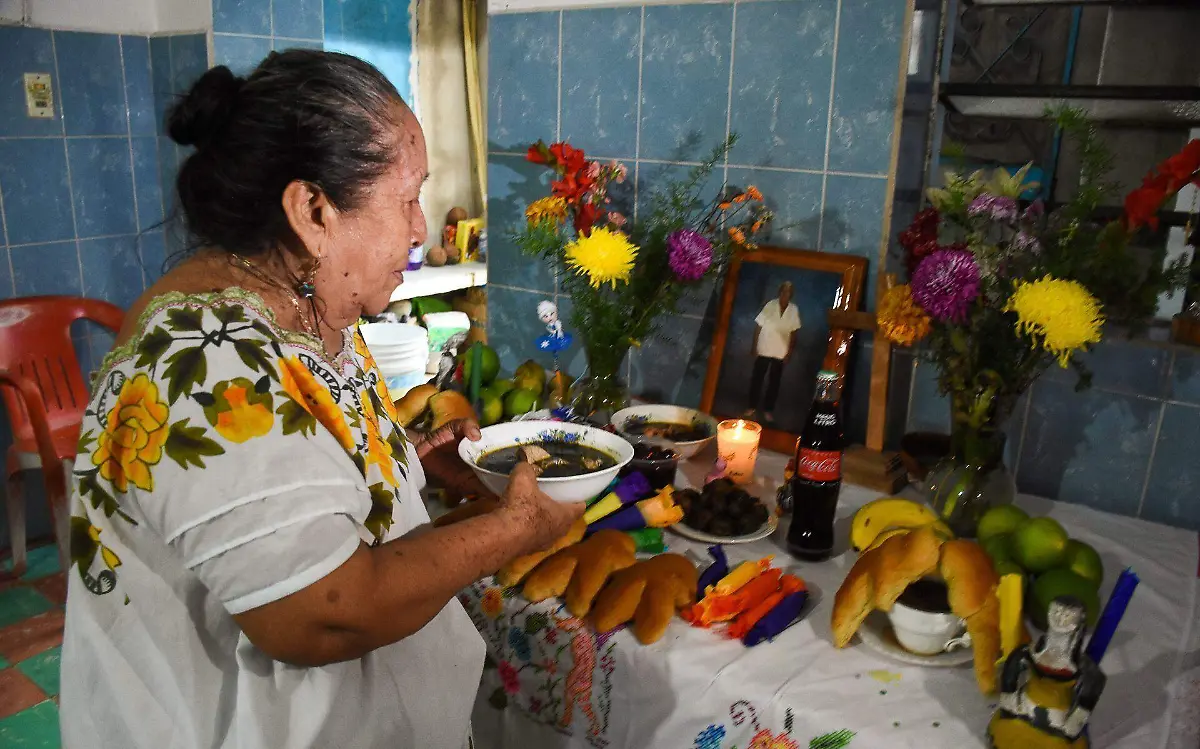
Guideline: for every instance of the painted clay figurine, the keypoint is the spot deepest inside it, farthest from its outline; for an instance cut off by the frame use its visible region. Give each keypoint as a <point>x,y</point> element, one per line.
<point>555,339</point>
<point>1047,693</point>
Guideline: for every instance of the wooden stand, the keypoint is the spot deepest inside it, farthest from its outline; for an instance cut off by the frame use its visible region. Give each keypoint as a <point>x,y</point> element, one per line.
<point>870,465</point>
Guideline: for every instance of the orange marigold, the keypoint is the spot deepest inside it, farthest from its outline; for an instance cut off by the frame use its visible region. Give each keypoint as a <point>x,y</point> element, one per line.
<point>737,235</point>
<point>753,192</point>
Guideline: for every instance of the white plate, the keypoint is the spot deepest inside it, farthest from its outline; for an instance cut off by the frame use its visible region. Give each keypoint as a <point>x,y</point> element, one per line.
<point>876,633</point>
<point>767,529</point>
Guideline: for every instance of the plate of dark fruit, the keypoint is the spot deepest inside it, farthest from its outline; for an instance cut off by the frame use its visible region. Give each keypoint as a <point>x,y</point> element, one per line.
<point>723,513</point>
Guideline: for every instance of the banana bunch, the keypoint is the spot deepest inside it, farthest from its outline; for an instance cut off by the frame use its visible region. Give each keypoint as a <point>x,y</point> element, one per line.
<point>877,521</point>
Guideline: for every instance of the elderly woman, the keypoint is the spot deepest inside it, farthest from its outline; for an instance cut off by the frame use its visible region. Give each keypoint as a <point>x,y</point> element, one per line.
<point>252,566</point>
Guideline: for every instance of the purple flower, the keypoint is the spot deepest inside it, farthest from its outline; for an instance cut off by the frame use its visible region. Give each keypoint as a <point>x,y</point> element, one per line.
<point>995,207</point>
<point>945,284</point>
<point>1026,243</point>
<point>1035,211</point>
<point>689,254</point>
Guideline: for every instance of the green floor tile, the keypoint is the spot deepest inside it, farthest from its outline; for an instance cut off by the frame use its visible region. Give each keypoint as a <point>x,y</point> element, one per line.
<point>35,728</point>
<point>21,602</point>
<point>41,562</point>
<point>42,669</point>
<point>3,663</point>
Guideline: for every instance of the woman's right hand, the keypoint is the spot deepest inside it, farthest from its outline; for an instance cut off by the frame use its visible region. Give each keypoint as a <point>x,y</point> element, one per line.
<point>540,520</point>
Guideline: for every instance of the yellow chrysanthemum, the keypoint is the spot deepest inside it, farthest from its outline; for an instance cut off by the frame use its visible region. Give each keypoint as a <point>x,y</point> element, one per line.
<point>1062,315</point>
<point>604,256</point>
<point>901,319</point>
<point>542,209</point>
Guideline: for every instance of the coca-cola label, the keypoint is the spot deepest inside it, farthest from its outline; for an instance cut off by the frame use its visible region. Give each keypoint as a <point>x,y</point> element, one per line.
<point>825,420</point>
<point>820,465</point>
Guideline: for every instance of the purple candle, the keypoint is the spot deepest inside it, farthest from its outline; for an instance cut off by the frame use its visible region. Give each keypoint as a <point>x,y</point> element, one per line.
<point>1106,627</point>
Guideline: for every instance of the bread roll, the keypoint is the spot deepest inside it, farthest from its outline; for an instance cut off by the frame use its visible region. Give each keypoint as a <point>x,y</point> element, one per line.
<point>448,406</point>
<point>413,404</point>
<point>515,571</point>
<point>971,583</point>
<point>649,593</point>
<point>581,570</point>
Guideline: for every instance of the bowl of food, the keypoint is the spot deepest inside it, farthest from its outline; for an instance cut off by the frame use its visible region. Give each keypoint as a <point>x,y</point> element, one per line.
<point>657,464</point>
<point>575,462</point>
<point>684,430</point>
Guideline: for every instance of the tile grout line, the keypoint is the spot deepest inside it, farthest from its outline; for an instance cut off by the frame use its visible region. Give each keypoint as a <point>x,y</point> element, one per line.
<point>23,245</point>
<point>837,23</point>
<point>137,219</point>
<point>67,160</point>
<point>65,137</point>
<point>637,133</point>
<point>259,36</point>
<point>749,167</point>
<point>729,95</point>
<point>1162,412</point>
<point>558,87</point>
<point>12,280</point>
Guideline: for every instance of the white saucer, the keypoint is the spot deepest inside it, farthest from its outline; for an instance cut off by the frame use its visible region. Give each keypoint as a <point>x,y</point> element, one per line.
<point>764,530</point>
<point>876,633</point>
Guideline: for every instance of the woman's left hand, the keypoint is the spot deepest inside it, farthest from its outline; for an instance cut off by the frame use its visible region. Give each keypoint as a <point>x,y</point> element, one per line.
<point>438,453</point>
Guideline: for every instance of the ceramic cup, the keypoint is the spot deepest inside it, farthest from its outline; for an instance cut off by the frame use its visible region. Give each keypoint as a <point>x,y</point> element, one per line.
<point>928,633</point>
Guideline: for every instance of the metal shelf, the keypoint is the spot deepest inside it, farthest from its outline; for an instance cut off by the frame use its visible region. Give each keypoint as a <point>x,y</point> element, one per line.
<point>1181,4</point>
<point>1128,106</point>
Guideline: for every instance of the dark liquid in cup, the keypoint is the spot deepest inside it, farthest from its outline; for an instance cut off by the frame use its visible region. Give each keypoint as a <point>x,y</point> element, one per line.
<point>927,595</point>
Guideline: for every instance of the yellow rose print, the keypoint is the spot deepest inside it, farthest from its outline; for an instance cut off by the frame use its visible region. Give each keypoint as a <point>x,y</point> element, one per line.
<point>304,388</point>
<point>238,412</point>
<point>492,603</point>
<point>379,451</point>
<point>133,439</point>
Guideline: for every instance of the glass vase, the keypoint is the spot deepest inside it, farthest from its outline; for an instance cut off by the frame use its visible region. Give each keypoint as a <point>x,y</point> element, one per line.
<point>600,392</point>
<point>974,477</point>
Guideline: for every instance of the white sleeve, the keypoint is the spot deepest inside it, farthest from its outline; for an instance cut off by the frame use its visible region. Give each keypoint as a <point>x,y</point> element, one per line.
<point>793,318</point>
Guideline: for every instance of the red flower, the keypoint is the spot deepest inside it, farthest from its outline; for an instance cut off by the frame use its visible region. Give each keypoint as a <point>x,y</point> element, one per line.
<point>508,677</point>
<point>1181,168</point>
<point>1141,207</point>
<point>571,159</point>
<point>586,215</point>
<point>539,154</point>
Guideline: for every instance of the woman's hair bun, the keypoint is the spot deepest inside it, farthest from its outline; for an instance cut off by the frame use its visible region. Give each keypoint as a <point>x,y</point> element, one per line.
<point>203,112</point>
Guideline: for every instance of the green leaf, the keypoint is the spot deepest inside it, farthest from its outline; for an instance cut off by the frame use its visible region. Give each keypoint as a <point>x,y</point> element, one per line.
<point>252,354</point>
<point>153,346</point>
<point>187,444</point>
<point>295,418</point>
<point>101,500</point>
<point>229,314</point>
<point>186,369</point>
<point>499,699</point>
<point>191,320</point>
<point>204,399</point>
<point>263,385</point>
<point>86,440</point>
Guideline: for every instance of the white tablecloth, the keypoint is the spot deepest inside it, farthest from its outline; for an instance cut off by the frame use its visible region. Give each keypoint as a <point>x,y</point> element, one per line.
<point>548,677</point>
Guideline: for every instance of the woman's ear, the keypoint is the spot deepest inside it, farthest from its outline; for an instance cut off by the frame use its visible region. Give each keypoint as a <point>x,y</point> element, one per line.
<point>310,214</point>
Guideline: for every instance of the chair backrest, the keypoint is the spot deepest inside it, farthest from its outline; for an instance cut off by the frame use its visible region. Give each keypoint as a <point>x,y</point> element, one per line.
<point>35,342</point>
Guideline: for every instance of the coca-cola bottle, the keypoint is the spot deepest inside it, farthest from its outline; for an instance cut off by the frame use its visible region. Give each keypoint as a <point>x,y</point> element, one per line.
<point>818,478</point>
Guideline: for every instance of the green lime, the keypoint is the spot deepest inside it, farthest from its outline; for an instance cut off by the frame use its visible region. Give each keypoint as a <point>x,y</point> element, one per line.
<point>502,386</point>
<point>520,401</point>
<point>999,548</point>
<point>1059,583</point>
<point>1039,544</point>
<point>489,364</point>
<point>999,520</point>
<point>531,372</point>
<point>491,410</point>
<point>1084,561</point>
<point>1007,567</point>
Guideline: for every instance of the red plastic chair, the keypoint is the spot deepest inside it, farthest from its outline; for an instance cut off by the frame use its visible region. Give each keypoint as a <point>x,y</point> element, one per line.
<point>44,394</point>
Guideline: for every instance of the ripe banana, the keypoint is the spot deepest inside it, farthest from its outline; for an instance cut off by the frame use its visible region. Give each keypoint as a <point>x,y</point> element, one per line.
<point>890,514</point>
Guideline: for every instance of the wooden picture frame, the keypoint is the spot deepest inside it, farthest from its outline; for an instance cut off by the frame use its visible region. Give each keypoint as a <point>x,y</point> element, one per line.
<point>852,271</point>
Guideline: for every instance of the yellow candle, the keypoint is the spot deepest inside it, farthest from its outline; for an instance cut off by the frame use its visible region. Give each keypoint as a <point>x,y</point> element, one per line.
<point>737,445</point>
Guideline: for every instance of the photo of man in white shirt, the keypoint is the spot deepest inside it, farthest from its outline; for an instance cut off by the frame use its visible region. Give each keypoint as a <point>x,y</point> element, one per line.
<point>774,343</point>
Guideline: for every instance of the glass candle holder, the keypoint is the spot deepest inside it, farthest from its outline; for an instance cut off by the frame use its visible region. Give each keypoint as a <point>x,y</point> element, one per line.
<point>737,446</point>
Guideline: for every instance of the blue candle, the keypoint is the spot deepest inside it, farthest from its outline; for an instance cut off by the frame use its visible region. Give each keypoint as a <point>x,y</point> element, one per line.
<point>1106,627</point>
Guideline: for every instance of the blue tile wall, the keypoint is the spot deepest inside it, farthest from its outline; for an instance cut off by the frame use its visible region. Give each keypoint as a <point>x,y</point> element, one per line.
<point>656,87</point>
<point>1126,445</point>
<point>375,30</point>
<point>771,70</point>
<point>246,31</point>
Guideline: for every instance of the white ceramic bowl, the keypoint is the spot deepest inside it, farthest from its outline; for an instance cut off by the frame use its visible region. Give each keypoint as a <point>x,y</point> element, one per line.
<point>927,632</point>
<point>670,415</point>
<point>565,489</point>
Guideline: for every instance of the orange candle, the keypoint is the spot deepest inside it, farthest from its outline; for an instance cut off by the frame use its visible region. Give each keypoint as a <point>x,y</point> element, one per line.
<point>737,445</point>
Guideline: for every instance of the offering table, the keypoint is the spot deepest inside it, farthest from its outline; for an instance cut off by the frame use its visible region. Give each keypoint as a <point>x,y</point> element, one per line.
<point>552,682</point>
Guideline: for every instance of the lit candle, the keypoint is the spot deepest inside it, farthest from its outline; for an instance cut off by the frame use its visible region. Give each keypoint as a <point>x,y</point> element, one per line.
<point>737,446</point>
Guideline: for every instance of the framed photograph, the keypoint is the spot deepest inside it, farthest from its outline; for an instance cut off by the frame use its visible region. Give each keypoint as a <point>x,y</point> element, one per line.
<point>772,337</point>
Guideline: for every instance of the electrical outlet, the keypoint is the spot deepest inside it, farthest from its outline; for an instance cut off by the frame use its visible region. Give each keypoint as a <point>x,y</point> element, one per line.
<point>39,96</point>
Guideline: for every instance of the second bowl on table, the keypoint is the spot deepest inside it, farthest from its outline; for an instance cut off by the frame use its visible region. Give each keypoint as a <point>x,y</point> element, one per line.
<point>633,423</point>
<point>578,488</point>
<point>657,464</point>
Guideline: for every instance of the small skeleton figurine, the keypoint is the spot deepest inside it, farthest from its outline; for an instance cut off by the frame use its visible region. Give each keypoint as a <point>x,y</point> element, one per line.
<point>1047,694</point>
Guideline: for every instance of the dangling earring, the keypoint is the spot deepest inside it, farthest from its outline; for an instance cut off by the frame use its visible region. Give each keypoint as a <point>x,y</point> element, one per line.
<point>307,287</point>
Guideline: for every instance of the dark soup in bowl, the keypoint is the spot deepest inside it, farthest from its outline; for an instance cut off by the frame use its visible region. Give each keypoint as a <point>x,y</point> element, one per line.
<point>696,430</point>
<point>561,459</point>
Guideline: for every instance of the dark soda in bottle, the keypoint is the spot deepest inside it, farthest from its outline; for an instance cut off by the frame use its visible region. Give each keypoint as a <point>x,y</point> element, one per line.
<point>818,478</point>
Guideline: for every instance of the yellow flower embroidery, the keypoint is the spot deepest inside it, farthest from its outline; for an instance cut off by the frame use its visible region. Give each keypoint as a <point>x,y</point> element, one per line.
<point>134,437</point>
<point>304,388</point>
<point>239,413</point>
<point>369,365</point>
<point>379,451</point>
<point>492,603</point>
